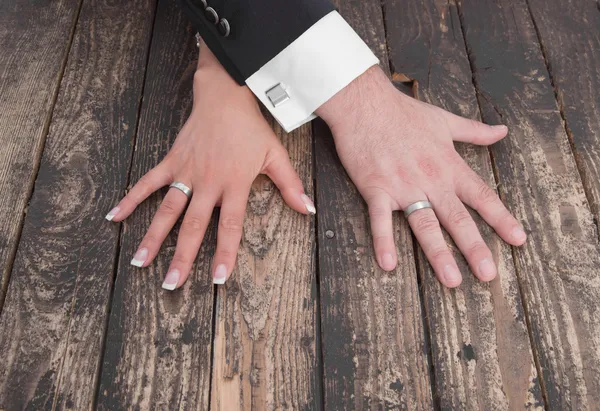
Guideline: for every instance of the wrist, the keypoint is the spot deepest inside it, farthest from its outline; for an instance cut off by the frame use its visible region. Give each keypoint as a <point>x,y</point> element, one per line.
<point>209,71</point>
<point>357,99</point>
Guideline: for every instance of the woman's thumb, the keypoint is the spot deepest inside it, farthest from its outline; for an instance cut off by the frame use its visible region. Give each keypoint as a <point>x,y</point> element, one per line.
<point>280,170</point>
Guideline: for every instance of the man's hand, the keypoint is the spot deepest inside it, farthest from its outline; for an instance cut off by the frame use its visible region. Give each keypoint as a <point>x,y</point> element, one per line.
<point>223,146</point>
<point>398,151</point>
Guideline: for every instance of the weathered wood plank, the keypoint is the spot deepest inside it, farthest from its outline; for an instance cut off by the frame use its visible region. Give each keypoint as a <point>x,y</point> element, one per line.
<point>56,304</point>
<point>558,266</point>
<point>481,350</point>
<point>34,44</point>
<point>375,350</point>
<point>570,35</point>
<point>158,345</point>
<point>265,348</point>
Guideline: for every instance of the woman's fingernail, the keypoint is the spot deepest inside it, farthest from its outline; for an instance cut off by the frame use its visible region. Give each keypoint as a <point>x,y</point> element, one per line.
<point>451,274</point>
<point>518,234</point>
<point>487,269</point>
<point>500,127</point>
<point>140,257</point>
<point>310,206</point>
<point>220,274</point>
<point>387,262</point>
<point>112,213</point>
<point>171,280</point>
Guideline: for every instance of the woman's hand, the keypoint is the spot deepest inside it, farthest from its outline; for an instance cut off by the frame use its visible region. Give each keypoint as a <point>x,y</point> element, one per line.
<point>223,146</point>
<point>398,151</point>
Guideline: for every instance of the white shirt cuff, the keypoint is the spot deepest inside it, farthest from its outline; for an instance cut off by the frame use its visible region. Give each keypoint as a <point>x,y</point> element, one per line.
<point>322,61</point>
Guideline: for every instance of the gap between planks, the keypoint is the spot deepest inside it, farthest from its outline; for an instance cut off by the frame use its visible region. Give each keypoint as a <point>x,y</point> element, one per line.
<point>579,162</point>
<point>117,254</point>
<point>318,331</point>
<point>38,160</point>
<point>524,301</point>
<point>424,317</point>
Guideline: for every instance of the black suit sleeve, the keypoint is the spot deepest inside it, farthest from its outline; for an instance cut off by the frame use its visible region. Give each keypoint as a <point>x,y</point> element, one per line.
<point>253,31</point>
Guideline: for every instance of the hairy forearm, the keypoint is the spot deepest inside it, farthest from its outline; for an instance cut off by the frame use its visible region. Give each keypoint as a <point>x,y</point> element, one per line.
<point>356,100</point>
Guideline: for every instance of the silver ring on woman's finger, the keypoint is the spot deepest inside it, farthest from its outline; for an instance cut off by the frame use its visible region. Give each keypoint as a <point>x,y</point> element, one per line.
<point>416,207</point>
<point>182,187</point>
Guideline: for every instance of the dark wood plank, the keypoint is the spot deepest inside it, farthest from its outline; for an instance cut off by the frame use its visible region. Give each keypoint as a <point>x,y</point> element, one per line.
<point>558,267</point>
<point>56,304</point>
<point>570,36</point>
<point>374,342</point>
<point>265,352</point>
<point>481,350</point>
<point>158,342</point>
<point>35,41</point>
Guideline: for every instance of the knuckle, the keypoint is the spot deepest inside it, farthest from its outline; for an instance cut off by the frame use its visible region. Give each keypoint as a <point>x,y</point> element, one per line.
<point>439,253</point>
<point>146,179</point>
<point>505,218</point>
<point>474,123</point>
<point>425,222</point>
<point>226,254</point>
<point>168,208</point>
<point>230,224</point>
<point>382,240</point>
<point>192,223</point>
<point>459,217</point>
<point>485,195</point>
<point>179,260</point>
<point>429,167</point>
<point>150,239</point>
<point>476,249</point>
<point>377,212</point>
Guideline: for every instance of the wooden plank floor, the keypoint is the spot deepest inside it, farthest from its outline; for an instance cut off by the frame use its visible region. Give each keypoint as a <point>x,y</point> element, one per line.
<point>92,94</point>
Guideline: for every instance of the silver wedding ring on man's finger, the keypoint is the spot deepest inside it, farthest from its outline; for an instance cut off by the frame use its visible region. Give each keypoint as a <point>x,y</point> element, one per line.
<point>419,205</point>
<point>182,187</point>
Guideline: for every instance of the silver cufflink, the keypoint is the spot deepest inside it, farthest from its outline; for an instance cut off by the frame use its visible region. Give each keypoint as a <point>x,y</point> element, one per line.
<point>277,95</point>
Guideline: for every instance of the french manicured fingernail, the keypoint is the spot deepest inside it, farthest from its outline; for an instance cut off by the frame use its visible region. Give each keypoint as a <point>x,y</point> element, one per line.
<point>500,127</point>
<point>310,206</point>
<point>487,268</point>
<point>220,274</point>
<point>451,274</point>
<point>171,280</point>
<point>518,234</point>
<point>112,213</point>
<point>387,262</point>
<point>140,257</point>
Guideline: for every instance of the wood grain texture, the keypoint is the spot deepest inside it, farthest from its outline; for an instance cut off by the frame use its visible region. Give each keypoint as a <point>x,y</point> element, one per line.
<point>570,37</point>
<point>34,43</point>
<point>158,344</point>
<point>56,304</point>
<point>265,347</point>
<point>375,350</point>
<point>481,350</point>
<point>558,266</point>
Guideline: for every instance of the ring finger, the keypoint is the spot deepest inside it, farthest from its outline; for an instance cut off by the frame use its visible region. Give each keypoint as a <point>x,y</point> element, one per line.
<point>460,225</point>
<point>190,237</point>
<point>427,229</point>
<point>165,218</point>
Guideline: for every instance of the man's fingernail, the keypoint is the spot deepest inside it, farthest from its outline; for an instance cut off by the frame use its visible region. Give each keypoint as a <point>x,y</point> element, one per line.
<point>487,268</point>
<point>220,274</point>
<point>310,206</point>
<point>451,274</point>
<point>171,280</point>
<point>112,213</point>
<point>518,234</point>
<point>387,262</point>
<point>140,257</point>
<point>500,127</point>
